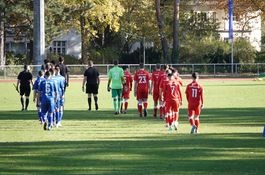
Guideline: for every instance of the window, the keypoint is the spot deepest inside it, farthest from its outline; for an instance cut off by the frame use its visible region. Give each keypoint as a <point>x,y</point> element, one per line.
<point>59,47</point>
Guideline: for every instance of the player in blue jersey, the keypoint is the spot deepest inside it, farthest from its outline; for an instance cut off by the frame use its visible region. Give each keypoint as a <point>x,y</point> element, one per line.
<point>36,99</point>
<point>48,92</point>
<point>60,80</point>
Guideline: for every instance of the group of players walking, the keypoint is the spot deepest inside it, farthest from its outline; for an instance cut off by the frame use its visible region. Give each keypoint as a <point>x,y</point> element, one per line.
<point>49,88</point>
<point>165,85</point>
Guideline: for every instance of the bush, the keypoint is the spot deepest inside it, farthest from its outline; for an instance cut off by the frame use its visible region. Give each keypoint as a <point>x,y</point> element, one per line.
<point>244,52</point>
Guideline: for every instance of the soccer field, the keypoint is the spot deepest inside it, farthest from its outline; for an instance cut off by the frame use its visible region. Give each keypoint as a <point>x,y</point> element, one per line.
<point>98,142</point>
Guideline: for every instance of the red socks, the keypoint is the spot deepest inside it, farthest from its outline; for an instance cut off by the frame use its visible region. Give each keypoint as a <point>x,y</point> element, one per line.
<point>125,106</point>
<point>140,108</point>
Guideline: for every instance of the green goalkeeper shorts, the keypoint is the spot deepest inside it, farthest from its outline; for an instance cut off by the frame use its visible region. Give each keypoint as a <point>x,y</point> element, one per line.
<point>116,93</point>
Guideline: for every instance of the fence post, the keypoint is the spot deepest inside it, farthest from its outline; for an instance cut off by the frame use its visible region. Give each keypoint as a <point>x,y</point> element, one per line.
<point>214,71</point>
<point>5,72</point>
<point>258,68</point>
<point>107,68</point>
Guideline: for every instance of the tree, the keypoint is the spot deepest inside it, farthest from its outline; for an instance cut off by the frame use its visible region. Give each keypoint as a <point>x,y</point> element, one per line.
<point>161,29</point>
<point>175,50</point>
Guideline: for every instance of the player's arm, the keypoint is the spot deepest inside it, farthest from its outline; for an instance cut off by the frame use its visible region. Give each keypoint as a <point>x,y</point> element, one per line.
<point>149,86</point>
<point>18,83</point>
<point>83,84</point>
<point>67,76</point>
<point>135,88</point>
<point>131,81</point>
<point>187,94</point>
<point>152,87</point>
<point>108,87</point>
<point>180,94</point>
<point>202,98</point>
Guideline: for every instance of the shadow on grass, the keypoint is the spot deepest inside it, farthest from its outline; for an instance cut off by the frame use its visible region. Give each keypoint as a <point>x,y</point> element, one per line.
<point>210,154</point>
<point>235,116</point>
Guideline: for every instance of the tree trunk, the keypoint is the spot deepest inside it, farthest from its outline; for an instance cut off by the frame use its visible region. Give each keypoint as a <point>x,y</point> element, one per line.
<point>175,51</point>
<point>83,40</point>
<point>2,40</point>
<point>161,26</point>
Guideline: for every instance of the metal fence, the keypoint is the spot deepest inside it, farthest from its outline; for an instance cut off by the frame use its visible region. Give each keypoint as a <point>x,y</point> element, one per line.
<point>209,70</point>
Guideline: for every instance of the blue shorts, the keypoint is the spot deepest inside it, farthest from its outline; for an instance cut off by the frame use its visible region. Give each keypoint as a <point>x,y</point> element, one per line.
<point>47,105</point>
<point>59,103</point>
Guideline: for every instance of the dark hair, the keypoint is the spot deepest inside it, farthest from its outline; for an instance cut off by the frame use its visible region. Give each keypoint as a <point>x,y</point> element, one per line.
<point>125,67</point>
<point>158,66</point>
<point>61,59</point>
<point>51,71</point>
<point>47,74</point>
<point>57,68</point>
<point>141,65</point>
<point>40,73</point>
<point>47,66</point>
<point>164,67</point>
<point>90,62</point>
<point>169,72</point>
<point>195,75</point>
<point>25,67</point>
<point>46,61</point>
<point>53,62</point>
<point>115,62</point>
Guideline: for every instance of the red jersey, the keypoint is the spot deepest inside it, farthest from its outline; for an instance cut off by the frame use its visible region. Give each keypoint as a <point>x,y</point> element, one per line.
<point>194,94</point>
<point>128,79</point>
<point>142,78</point>
<point>155,80</point>
<point>179,80</point>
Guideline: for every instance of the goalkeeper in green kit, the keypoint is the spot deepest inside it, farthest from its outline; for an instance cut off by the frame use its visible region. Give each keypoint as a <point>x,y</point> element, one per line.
<point>116,79</point>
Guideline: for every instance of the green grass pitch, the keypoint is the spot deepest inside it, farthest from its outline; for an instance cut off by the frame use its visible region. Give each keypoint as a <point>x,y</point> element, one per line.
<point>98,142</point>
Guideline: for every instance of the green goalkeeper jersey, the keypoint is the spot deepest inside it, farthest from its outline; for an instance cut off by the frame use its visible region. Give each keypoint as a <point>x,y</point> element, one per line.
<point>115,74</point>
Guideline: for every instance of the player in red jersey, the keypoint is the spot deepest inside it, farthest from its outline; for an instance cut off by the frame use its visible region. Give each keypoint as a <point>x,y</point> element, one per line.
<point>155,88</point>
<point>141,88</point>
<point>173,99</point>
<point>161,79</point>
<point>194,95</point>
<point>177,77</point>
<point>126,89</point>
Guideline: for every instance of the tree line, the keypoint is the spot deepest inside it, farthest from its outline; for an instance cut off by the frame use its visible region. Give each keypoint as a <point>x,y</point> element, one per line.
<point>108,28</point>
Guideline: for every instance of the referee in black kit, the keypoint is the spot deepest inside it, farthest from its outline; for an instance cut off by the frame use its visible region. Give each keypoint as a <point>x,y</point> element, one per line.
<point>64,71</point>
<point>91,79</point>
<point>24,80</point>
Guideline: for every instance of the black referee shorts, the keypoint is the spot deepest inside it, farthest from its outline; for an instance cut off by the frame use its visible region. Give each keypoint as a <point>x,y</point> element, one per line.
<point>92,88</point>
<point>24,90</point>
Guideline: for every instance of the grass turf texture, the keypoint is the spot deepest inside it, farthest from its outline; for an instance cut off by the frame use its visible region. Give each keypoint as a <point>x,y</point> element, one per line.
<point>99,142</point>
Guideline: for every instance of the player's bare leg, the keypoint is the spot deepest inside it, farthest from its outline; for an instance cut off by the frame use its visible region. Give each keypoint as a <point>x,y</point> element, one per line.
<point>192,123</point>
<point>175,120</point>
<point>197,123</point>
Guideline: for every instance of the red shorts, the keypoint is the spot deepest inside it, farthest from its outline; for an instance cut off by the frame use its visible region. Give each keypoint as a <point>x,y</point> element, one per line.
<point>125,93</point>
<point>155,96</point>
<point>142,94</point>
<point>194,110</point>
<point>172,106</point>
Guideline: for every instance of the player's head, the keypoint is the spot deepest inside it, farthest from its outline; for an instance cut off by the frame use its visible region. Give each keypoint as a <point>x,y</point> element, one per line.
<point>57,70</point>
<point>47,67</point>
<point>47,75</point>
<point>157,66</point>
<point>90,63</point>
<point>26,67</point>
<point>40,73</point>
<point>141,65</point>
<point>169,73</point>
<point>61,59</point>
<point>51,71</point>
<point>195,75</point>
<point>46,61</point>
<point>125,67</point>
<point>164,67</point>
<point>115,62</point>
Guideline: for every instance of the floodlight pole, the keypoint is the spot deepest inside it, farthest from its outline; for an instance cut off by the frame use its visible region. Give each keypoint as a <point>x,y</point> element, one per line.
<point>39,32</point>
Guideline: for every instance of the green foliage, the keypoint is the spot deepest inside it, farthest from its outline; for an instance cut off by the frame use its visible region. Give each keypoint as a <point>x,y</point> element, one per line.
<point>18,59</point>
<point>207,50</point>
<point>68,59</point>
<point>244,52</point>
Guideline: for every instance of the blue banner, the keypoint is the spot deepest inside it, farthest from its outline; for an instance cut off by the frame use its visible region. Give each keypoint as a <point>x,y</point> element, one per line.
<point>230,11</point>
